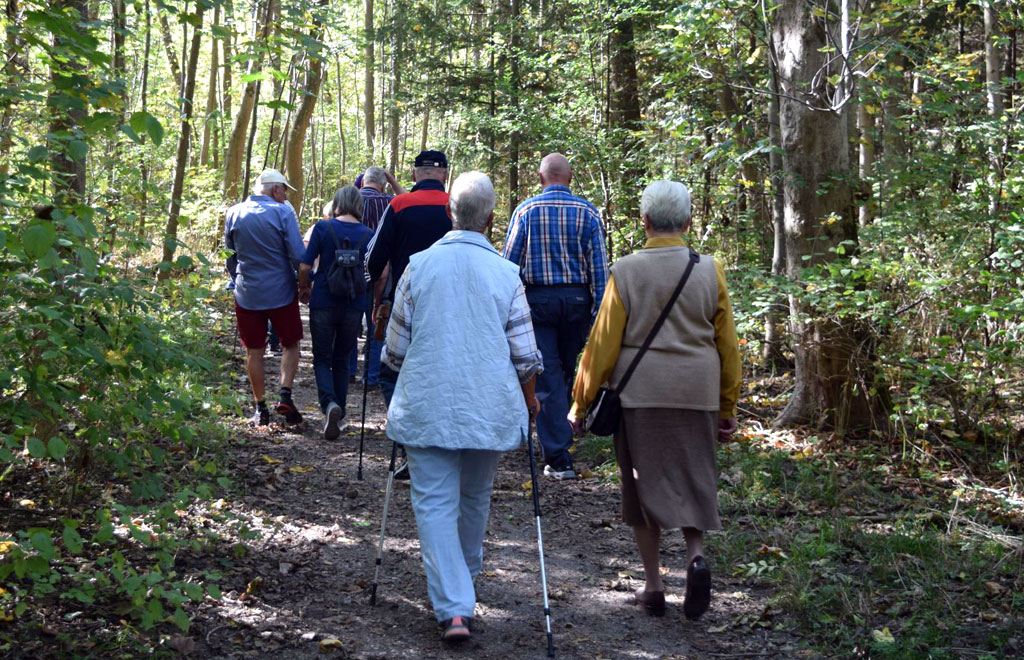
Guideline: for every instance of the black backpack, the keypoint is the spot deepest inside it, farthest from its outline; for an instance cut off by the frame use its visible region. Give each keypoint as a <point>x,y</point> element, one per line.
<point>346,277</point>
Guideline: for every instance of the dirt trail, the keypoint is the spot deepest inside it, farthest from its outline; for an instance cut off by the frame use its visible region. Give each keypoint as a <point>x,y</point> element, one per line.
<point>314,563</point>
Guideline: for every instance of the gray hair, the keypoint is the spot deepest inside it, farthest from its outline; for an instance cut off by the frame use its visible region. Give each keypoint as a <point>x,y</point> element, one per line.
<point>667,205</point>
<point>266,188</point>
<point>328,209</point>
<point>375,175</point>
<point>431,172</point>
<point>472,201</point>
<point>347,201</point>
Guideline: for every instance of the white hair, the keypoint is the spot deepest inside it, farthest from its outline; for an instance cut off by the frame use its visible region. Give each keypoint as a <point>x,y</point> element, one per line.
<point>375,175</point>
<point>472,201</point>
<point>667,205</point>
<point>266,188</point>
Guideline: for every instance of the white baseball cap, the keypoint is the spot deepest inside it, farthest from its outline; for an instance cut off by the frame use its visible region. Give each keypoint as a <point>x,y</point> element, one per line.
<point>271,175</point>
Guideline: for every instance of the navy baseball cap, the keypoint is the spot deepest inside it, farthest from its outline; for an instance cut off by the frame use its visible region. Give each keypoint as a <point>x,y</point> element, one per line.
<point>431,159</point>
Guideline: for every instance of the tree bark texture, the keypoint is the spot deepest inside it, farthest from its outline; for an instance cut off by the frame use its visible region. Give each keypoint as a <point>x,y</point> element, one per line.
<point>184,143</point>
<point>68,170</point>
<point>833,370</point>
<point>368,102</point>
<point>396,85</point>
<point>772,352</point>
<point>297,136</point>
<point>236,145</point>
<point>10,69</point>
<point>209,122</point>
<point>624,117</point>
<point>514,138</point>
<point>172,56</point>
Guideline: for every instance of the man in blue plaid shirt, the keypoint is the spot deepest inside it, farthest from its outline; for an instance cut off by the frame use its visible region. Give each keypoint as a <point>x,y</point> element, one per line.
<point>558,241</point>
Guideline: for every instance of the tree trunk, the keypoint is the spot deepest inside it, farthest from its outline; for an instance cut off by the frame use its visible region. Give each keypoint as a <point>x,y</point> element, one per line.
<point>425,133</point>
<point>144,162</point>
<point>67,157</point>
<point>993,61</point>
<point>368,102</point>
<point>624,119</point>
<point>514,139</point>
<point>341,118</point>
<point>11,77</point>
<point>172,56</point>
<point>236,145</point>
<point>752,191</point>
<point>866,164</point>
<point>184,142</point>
<point>772,354</point>
<point>300,123</point>
<point>833,370</point>
<point>226,78</point>
<point>209,124</point>
<point>396,85</point>
<point>996,103</point>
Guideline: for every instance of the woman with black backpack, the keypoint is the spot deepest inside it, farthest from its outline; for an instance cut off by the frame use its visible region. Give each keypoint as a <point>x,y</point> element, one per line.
<point>337,297</point>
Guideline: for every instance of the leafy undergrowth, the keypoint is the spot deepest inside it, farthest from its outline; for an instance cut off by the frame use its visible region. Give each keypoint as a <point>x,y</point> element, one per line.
<point>109,450</point>
<point>877,547</point>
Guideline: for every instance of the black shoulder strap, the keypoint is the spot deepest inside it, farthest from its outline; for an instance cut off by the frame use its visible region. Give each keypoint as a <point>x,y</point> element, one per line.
<point>330,228</point>
<point>694,258</point>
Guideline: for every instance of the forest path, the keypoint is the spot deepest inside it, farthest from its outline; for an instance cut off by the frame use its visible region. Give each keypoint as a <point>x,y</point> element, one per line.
<point>309,573</point>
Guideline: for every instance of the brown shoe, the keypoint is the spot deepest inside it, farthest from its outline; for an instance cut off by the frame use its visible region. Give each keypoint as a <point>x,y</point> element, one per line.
<point>698,588</point>
<point>653,602</point>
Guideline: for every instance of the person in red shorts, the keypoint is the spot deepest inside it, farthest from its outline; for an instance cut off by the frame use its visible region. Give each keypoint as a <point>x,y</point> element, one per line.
<point>264,233</point>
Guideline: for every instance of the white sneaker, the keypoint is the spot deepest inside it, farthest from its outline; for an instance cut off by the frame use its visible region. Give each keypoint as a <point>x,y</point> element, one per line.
<point>567,473</point>
<point>332,416</point>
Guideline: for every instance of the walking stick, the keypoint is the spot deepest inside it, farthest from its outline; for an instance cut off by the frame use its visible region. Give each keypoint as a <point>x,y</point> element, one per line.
<point>384,523</point>
<point>362,419</point>
<point>540,540</point>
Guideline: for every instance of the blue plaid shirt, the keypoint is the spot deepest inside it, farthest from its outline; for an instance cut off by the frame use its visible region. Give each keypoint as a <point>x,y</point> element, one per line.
<point>557,239</point>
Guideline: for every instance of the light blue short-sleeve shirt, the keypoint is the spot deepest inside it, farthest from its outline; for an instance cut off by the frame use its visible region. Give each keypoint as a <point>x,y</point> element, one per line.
<point>265,236</point>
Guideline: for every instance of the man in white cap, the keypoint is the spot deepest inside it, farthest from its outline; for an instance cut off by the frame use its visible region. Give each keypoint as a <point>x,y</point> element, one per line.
<point>264,233</point>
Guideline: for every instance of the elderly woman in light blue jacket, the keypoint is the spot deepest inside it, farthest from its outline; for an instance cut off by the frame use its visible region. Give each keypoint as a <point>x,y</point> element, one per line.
<point>461,339</point>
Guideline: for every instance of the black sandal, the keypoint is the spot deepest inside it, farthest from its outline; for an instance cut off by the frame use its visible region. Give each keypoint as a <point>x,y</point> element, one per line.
<point>456,629</point>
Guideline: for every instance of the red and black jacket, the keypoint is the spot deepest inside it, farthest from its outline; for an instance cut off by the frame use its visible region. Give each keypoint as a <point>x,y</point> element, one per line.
<point>412,222</point>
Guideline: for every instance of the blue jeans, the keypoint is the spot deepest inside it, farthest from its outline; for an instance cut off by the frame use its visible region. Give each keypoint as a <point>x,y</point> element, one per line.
<point>334,331</point>
<point>561,320</point>
<point>451,496</point>
<point>372,378</point>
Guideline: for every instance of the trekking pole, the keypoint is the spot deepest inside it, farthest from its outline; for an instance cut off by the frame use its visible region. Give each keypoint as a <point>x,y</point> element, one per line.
<point>540,540</point>
<point>384,523</point>
<point>362,418</point>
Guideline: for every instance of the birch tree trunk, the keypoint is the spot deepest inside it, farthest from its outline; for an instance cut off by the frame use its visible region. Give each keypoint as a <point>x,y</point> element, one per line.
<point>996,102</point>
<point>772,352</point>
<point>184,143</point>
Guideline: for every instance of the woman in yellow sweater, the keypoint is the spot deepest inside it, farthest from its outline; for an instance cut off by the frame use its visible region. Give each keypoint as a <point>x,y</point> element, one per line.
<point>679,401</point>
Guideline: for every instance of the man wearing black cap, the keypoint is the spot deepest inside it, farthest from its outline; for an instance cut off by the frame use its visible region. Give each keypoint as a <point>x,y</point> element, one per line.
<point>412,222</point>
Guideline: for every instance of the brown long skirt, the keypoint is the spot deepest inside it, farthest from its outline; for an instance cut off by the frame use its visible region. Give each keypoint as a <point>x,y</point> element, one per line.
<point>667,466</point>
